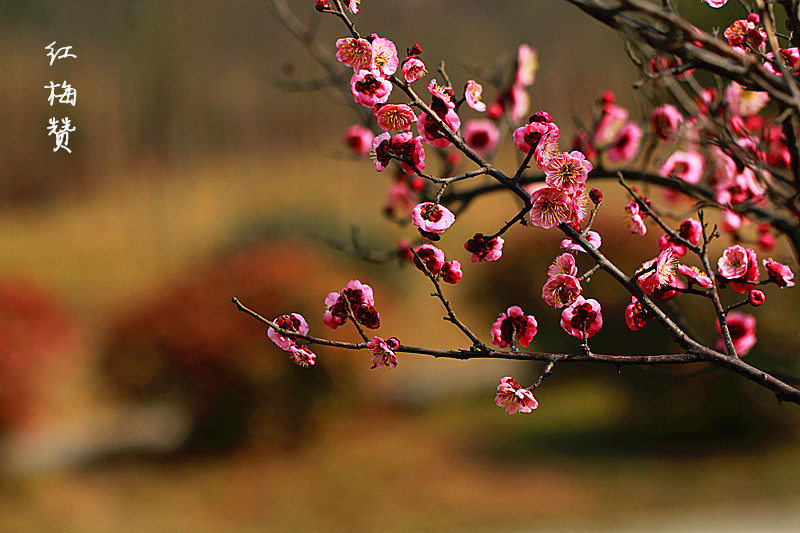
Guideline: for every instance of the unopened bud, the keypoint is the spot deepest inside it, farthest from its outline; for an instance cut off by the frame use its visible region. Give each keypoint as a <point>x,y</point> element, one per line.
<point>415,50</point>
<point>756,298</point>
<point>322,5</point>
<point>596,195</point>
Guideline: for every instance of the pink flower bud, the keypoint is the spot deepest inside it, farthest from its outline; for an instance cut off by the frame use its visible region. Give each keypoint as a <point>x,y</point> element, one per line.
<point>756,298</point>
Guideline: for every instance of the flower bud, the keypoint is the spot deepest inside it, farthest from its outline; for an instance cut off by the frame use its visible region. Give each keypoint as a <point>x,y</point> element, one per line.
<point>596,195</point>
<point>322,5</point>
<point>754,18</point>
<point>415,50</point>
<point>756,298</point>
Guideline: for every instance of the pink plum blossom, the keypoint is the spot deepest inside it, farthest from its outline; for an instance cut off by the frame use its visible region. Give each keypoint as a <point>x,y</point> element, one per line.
<point>563,264</point>
<point>384,56</point>
<point>302,355</point>
<point>633,218</point>
<point>567,172</point>
<point>612,120</point>
<point>513,321</point>
<point>513,398</point>
<point>734,262</point>
<point>690,230</point>
<point>358,139</point>
<point>550,207</point>
<point>789,56</point>
<point>383,352</point>
<point>367,90</point>
<point>592,237</point>
<point>744,102</point>
<point>293,322</point>
<point>359,299</point>
<point>530,135</point>
<point>400,146</point>
<point>582,315</point>
<point>472,93</point>
<point>451,272</point>
<point>779,273</point>
<point>742,328</point>
<point>352,5</point>
<point>625,145</point>
<point>432,218</point>
<point>687,166</point>
<point>694,275</point>
<point>431,132</point>
<point>401,200</point>
<point>430,256</point>
<point>355,53</point>
<point>561,290</point>
<point>394,117</point>
<point>482,136</point>
<point>636,316</point>
<point>527,65</point>
<point>665,121</point>
<point>483,248</point>
<point>744,283</point>
<point>413,69</point>
<point>716,3</point>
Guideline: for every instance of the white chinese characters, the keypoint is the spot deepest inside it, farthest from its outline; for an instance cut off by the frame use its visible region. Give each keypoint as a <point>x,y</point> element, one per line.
<point>62,93</point>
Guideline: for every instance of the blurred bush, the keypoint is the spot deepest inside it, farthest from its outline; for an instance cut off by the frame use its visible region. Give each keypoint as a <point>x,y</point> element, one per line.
<point>34,329</point>
<point>189,343</point>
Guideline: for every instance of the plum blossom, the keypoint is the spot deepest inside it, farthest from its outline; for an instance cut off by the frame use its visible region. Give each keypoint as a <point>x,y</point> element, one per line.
<point>302,355</point>
<point>716,3</point>
<point>513,321</point>
<point>530,135</point>
<point>384,56</point>
<point>744,283</point>
<point>413,69</point>
<point>355,297</point>
<point>687,166</point>
<point>742,328</point>
<point>482,136</point>
<point>394,117</point>
<point>527,65</point>
<point>561,290</point>
<point>633,218</point>
<point>567,171</point>
<point>582,316</point>
<point>744,102</point>
<point>484,248</point>
<point>431,131</point>
<point>451,272</point>
<point>734,262</point>
<point>430,256</point>
<point>367,90</point>
<point>611,121</point>
<point>663,275</point>
<point>592,237</point>
<point>625,145</point>
<point>636,316</point>
<point>355,53</point>
<point>690,230</point>
<point>472,94</point>
<point>358,139</point>
<point>563,264</point>
<point>513,398</point>
<point>293,322</point>
<point>399,146</point>
<point>665,120</point>
<point>778,273</point>
<point>550,207</point>
<point>352,5</point>
<point>432,218</point>
<point>789,56</point>
<point>400,200</point>
<point>693,274</point>
<point>383,352</point>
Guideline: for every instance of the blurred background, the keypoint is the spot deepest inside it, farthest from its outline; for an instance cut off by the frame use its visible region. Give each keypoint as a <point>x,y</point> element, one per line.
<point>133,396</point>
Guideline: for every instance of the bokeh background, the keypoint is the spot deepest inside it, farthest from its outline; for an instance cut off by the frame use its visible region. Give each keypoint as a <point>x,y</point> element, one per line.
<point>134,397</point>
